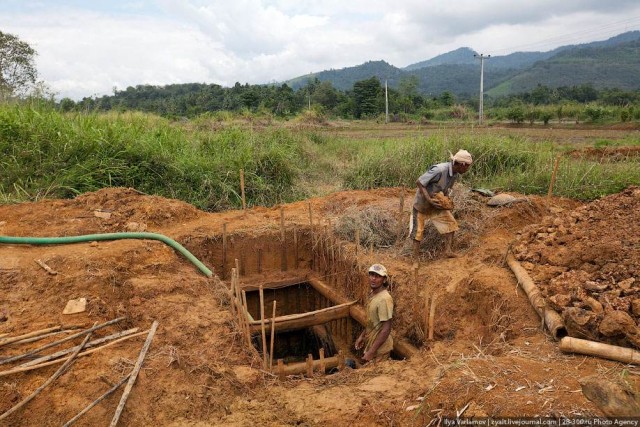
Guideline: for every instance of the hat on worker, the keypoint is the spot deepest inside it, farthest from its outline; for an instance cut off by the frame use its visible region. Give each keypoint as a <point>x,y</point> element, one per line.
<point>378,269</point>
<point>462,156</point>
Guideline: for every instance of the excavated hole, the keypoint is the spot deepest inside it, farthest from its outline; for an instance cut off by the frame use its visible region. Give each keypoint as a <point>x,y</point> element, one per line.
<point>295,345</point>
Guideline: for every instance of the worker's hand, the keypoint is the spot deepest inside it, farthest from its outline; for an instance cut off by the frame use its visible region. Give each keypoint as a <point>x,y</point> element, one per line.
<point>435,203</point>
<point>368,357</point>
<point>359,343</point>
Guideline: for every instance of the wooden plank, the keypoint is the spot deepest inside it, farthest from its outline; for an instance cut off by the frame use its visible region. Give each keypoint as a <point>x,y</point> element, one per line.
<point>277,284</point>
<point>305,320</point>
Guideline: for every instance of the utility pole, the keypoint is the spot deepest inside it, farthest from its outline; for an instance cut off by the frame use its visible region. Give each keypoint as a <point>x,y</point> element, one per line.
<point>386,103</point>
<point>482,58</point>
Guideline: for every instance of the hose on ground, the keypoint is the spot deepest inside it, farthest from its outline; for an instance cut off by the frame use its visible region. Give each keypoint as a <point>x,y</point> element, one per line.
<point>107,236</point>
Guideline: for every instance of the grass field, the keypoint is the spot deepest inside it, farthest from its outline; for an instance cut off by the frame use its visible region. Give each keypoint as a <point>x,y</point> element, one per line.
<point>49,154</point>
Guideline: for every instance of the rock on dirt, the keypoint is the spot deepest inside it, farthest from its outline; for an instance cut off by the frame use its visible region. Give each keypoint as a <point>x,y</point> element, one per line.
<point>585,262</point>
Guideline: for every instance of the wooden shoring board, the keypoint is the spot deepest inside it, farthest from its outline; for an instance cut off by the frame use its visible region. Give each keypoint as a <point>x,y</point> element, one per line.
<point>293,322</point>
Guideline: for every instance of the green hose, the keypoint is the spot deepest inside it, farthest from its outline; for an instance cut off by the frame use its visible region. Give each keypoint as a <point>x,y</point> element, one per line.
<point>107,236</point>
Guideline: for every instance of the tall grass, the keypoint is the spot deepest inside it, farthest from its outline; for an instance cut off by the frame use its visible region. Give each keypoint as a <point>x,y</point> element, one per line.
<point>44,153</point>
<point>500,163</point>
<point>48,154</point>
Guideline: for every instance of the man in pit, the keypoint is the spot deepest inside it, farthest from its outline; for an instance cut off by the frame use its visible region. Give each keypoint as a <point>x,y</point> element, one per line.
<point>432,203</point>
<point>376,337</point>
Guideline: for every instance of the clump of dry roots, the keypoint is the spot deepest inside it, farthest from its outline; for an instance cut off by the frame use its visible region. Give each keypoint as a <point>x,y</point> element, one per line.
<point>379,227</point>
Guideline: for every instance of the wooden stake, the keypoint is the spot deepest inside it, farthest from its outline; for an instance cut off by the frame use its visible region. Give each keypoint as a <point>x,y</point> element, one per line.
<point>51,379</point>
<point>400,215</point>
<point>283,247</point>
<point>295,247</point>
<point>310,366</point>
<point>224,251</point>
<point>340,360</point>
<point>244,204</point>
<point>425,314</point>
<point>322,365</point>
<point>273,335</point>
<point>553,177</point>
<point>313,243</point>
<point>432,314</point>
<point>134,374</point>
<point>247,331</point>
<point>264,333</point>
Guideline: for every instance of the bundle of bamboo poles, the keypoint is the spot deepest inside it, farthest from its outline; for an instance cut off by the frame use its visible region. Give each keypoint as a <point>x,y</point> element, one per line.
<point>67,361</point>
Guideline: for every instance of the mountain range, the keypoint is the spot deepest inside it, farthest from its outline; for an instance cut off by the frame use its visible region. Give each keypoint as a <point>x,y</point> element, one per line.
<point>607,64</point>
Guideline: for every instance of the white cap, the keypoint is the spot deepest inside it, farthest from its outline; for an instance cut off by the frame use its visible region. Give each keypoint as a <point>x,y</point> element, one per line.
<point>462,156</point>
<point>378,269</point>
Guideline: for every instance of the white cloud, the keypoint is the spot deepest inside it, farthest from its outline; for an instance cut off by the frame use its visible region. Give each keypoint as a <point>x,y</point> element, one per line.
<point>87,48</point>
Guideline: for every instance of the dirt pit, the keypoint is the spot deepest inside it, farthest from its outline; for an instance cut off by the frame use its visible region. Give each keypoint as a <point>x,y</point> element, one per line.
<point>488,355</point>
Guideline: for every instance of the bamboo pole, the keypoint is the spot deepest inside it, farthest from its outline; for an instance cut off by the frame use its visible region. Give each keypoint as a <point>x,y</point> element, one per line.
<point>84,353</point>
<point>93,343</point>
<point>247,331</point>
<point>244,203</point>
<point>432,315</point>
<point>322,363</point>
<point>53,344</point>
<point>553,178</point>
<point>264,334</point>
<point>281,369</point>
<point>98,400</point>
<point>224,251</point>
<point>134,374</point>
<point>40,337</point>
<point>283,243</point>
<point>313,243</point>
<point>548,316</point>
<point>273,334</point>
<point>301,367</point>
<point>310,366</point>
<point>51,379</point>
<point>400,215</point>
<point>17,338</point>
<point>295,248</point>
<point>426,316</point>
<point>598,349</point>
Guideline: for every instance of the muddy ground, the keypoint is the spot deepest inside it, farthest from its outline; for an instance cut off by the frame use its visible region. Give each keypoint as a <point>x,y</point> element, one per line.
<point>489,355</point>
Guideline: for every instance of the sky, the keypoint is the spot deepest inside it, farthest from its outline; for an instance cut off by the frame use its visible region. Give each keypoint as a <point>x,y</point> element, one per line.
<point>89,48</point>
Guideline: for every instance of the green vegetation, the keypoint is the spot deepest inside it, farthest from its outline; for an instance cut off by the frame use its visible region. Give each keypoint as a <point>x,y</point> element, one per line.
<point>48,154</point>
<point>44,153</point>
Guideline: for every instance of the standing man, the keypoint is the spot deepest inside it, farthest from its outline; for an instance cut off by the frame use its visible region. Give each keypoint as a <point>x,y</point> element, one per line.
<point>376,337</point>
<point>427,204</point>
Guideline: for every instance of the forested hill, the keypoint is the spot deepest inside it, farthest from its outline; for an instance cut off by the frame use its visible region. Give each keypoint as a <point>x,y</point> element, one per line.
<point>610,63</point>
